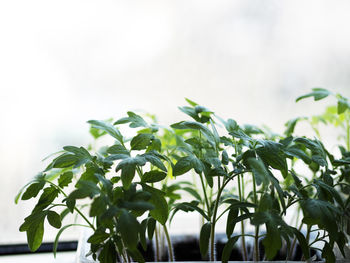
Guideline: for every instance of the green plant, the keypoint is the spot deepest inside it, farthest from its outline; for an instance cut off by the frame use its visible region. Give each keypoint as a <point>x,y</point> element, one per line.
<point>134,187</point>
<point>115,199</point>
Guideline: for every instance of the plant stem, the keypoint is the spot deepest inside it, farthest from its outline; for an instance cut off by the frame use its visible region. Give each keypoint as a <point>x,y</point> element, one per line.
<point>295,239</point>
<point>75,208</point>
<point>205,194</point>
<point>245,256</point>
<point>157,259</point>
<point>170,246</point>
<point>256,244</point>
<point>213,222</point>
<point>348,135</point>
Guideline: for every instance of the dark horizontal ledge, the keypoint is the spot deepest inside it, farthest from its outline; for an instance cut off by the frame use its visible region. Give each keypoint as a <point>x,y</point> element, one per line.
<point>16,249</point>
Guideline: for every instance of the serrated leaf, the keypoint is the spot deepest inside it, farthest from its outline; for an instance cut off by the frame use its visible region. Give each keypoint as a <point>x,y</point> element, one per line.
<point>327,253</point>
<point>129,229</point>
<point>98,237</point>
<point>184,164</point>
<point>160,211</point>
<point>153,158</point>
<point>34,226</point>
<point>47,197</point>
<point>195,126</point>
<point>134,119</point>
<point>204,237</point>
<point>272,154</point>
<point>65,179</point>
<point>98,206</point>
<point>108,253</point>
<point>317,93</point>
<point>54,219</point>
<point>107,127</point>
<point>153,176</point>
<point>260,172</point>
<point>342,105</point>
<point>141,141</point>
<point>224,158</point>
<point>33,190</point>
<point>65,160</point>
<point>128,167</point>
<point>118,149</point>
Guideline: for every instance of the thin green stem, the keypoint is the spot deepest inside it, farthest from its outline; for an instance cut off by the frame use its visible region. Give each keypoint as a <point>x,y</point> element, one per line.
<point>212,232</point>
<point>170,246</point>
<point>256,244</point>
<point>205,194</point>
<point>348,134</point>
<point>75,208</point>
<point>294,242</point>
<point>245,254</point>
<point>157,258</point>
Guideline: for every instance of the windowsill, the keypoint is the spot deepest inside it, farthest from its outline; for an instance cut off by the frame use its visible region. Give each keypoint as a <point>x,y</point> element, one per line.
<point>61,257</point>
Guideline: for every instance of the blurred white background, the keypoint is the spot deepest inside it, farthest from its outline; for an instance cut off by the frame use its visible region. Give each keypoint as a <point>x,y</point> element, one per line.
<point>65,62</point>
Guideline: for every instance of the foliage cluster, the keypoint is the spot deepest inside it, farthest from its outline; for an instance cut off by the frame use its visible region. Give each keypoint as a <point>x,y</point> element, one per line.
<point>130,191</point>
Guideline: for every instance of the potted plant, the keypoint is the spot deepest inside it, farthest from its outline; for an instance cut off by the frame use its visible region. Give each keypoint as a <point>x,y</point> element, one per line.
<point>132,189</point>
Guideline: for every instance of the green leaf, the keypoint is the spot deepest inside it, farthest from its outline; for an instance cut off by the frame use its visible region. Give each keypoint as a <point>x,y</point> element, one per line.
<point>47,197</point>
<point>137,205</point>
<point>204,237</point>
<point>65,179</point>
<point>98,237</point>
<point>224,158</point>
<point>34,226</point>
<point>129,229</point>
<point>154,158</point>
<point>118,149</point>
<point>33,190</point>
<point>136,255</point>
<point>230,225</point>
<point>65,160</point>
<point>134,119</point>
<point>272,154</point>
<point>290,126</point>
<point>295,151</point>
<point>302,242</point>
<point>272,242</point>
<point>317,93</point>
<point>189,207</point>
<point>108,253</point>
<point>98,206</point>
<point>143,228</point>
<point>107,127</point>
<point>318,153</point>
<point>259,170</point>
<point>128,167</point>
<point>160,211</point>
<point>151,226</point>
<point>192,192</point>
<point>35,235</point>
<point>195,126</point>
<point>226,253</point>
<point>141,141</point>
<point>153,176</point>
<point>85,189</point>
<point>184,164</point>
<point>342,105</point>
<point>81,153</point>
<point>327,253</point>
<point>54,219</point>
